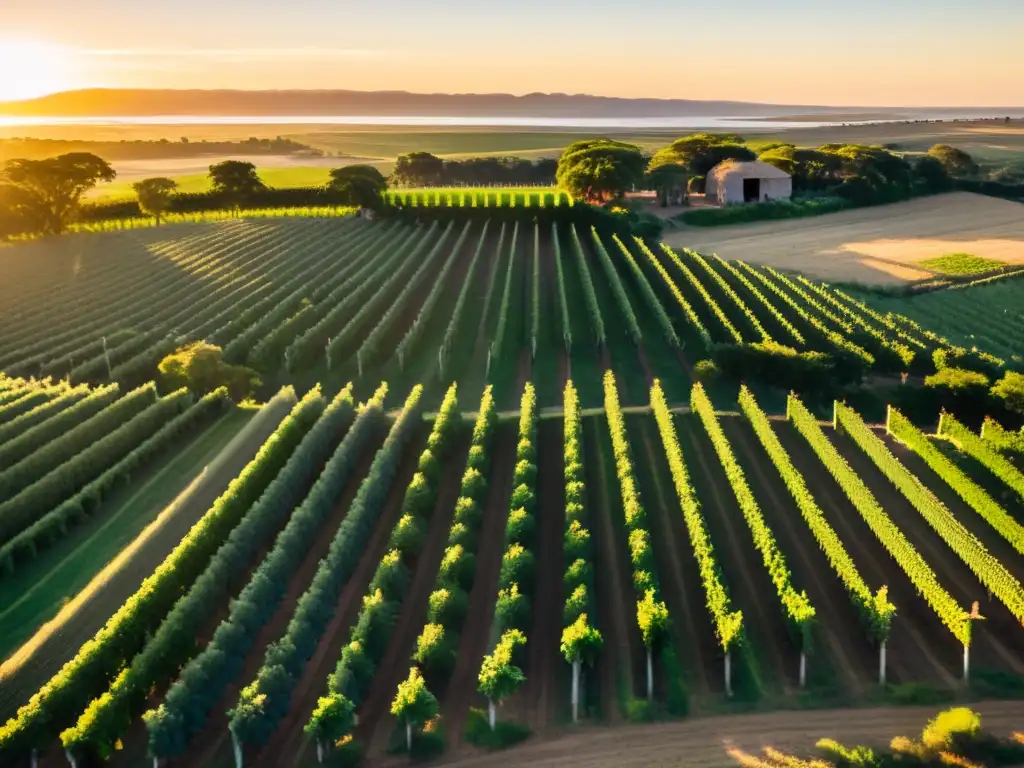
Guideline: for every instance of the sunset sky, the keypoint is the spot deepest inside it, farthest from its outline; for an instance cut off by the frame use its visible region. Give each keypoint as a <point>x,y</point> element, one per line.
<point>869,52</point>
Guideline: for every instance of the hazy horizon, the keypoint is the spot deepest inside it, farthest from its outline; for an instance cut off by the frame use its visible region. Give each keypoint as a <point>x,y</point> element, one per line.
<point>888,54</point>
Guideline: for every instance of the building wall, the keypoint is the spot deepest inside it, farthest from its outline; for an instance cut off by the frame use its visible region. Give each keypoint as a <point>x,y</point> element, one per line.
<point>730,189</point>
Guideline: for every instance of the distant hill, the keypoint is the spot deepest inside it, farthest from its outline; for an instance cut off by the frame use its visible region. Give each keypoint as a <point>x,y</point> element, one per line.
<point>103,102</point>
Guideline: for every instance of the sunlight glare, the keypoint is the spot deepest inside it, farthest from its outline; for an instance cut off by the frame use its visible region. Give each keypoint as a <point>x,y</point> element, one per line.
<point>29,69</point>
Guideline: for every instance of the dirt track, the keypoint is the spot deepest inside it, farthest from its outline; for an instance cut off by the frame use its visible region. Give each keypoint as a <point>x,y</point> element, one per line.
<point>705,741</point>
<point>871,245</point>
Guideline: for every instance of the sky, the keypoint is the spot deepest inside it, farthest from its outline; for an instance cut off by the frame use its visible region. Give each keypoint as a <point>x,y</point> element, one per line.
<point>811,52</point>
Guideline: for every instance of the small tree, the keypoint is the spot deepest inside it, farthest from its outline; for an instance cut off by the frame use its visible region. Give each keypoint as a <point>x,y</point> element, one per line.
<point>499,677</point>
<point>155,196</point>
<point>955,161</point>
<point>331,721</point>
<point>414,704</point>
<point>652,616</point>
<point>202,369</point>
<point>236,181</point>
<point>360,185</point>
<point>581,643</point>
<point>1010,389</point>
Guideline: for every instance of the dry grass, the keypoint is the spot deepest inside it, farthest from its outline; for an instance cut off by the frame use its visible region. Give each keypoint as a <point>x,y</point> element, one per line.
<point>880,245</point>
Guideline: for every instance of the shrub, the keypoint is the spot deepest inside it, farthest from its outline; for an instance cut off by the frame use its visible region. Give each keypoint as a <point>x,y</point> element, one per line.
<point>520,526</point>
<point>375,622</point>
<point>512,609</point>
<point>448,606</point>
<point>435,651</point>
<point>408,536</point>
<point>517,566</point>
<point>706,371</point>
<point>392,577</point>
<point>201,368</point>
<point>505,734</point>
<point>577,541</point>
<point>579,572</point>
<point>523,497</point>
<point>473,483</point>
<point>575,604</point>
<point>467,512</point>
<point>457,568</point>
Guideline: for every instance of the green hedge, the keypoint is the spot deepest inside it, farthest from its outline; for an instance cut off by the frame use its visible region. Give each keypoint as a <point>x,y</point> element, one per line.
<point>55,523</point>
<point>267,699</point>
<point>64,696</point>
<point>766,211</point>
<point>18,426</point>
<point>983,453</point>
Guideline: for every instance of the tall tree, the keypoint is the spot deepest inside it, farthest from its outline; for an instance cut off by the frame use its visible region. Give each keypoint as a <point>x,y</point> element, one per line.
<point>414,704</point>
<point>597,169</point>
<point>700,152</point>
<point>155,196</point>
<point>360,185</point>
<point>46,194</point>
<point>499,677</point>
<point>236,181</point>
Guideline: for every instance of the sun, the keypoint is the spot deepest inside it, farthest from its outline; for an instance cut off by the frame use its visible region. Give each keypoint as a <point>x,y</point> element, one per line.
<point>29,69</point>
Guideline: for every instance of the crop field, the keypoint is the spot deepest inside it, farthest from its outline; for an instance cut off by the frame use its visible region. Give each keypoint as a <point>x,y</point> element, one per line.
<point>481,435</point>
<point>883,245</point>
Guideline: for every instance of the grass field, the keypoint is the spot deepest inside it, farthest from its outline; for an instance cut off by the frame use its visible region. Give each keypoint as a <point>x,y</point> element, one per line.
<point>960,264</point>
<point>882,245</point>
<point>718,505</point>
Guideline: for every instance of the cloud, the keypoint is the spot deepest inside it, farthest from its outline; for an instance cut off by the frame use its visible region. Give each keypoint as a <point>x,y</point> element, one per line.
<point>239,54</point>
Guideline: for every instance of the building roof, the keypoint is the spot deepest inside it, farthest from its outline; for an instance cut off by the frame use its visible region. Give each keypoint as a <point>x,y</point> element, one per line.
<point>747,170</point>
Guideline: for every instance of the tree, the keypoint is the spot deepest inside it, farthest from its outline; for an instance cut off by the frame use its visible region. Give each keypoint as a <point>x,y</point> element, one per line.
<point>236,181</point>
<point>417,169</point>
<point>360,185</point>
<point>652,617</point>
<point>201,368</point>
<point>331,721</point>
<point>700,152</point>
<point>1010,389</point>
<point>46,194</point>
<point>414,704</point>
<point>596,169</point>
<point>930,175</point>
<point>581,643</point>
<point>499,677</point>
<point>155,196</point>
<point>669,181</point>
<point>956,162</point>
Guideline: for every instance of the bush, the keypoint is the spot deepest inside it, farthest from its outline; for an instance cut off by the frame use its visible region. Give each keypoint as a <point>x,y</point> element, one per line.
<point>577,541</point>
<point>575,604</point>
<point>458,568</point>
<point>473,484</point>
<point>436,651</point>
<point>201,368</point>
<point>523,497</point>
<point>391,578</point>
<point>640,711</point>
<point>580,572</point>
<point>467,512</point>
<point>706,371</point>
<point>784,367</point>
<point>355,672</point>
<point>520,526</point>
<point>448,606</point>
<point>374,628</point>
<point>505,734</point>
<point>517,567</point>
<point>512,610</point>
<point>773,209</point>
<point>408,536</point>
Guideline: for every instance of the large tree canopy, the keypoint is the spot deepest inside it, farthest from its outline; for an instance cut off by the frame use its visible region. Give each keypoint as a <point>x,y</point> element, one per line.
<point>418,169</point>
<point>46,194</point>
<point>155,196</point>
<point>700,152</point>
<point>236,180</point>
<point>597,169</point>
<point>360,185</point>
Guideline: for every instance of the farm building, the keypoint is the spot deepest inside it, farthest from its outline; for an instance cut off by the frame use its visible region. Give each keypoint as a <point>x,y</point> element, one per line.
<point>733,181</point>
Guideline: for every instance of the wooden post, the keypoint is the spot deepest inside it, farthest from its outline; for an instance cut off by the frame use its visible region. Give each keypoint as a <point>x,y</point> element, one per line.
<point>408,736</point>
<point>888,416</point>
<point>576,691</point>
<point>319,750</point>
<point>237,745</point>
<point>803,669</point>
<point>728,674</point>
<point>881,664</point>
<point>106,355</point>
<point>71,758</point>
<point>650,676</point>
<point>491,715</point>
<point>835,415</point>
<point>967,664</point>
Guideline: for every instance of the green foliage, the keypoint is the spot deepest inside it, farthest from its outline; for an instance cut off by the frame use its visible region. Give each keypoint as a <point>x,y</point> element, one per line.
<point>1010,389</point>
<point>201,368</point>
<point>875,610</point>
<point>961,483</point>
<point>56,523</point>
<point>563,302</point>
<point>499,677</point>
<point>796,605</point>
<point>960,264</point>
<point>956,162</point>
<point>413,703</point>
<point>265,701</point>
<point>512,609</point>
<point>727,290</point>
<point>435,652</point>
<point>505,734</point>
<point>958,381</point>
<point>362,186</point>
<point>691,316</point>
<point>983,453</point>
<point>771,210</point>
<point>332,719</point>
<point>448,607</point>
<point>691,279</point>
<point>155,196</point>
<point>45,195</point>
<point>1005,440</point>
<point>236,181</point>
<point>589,293</point>
<point>581,641</point>
<point>988,569</point>
<point>596,169</point>
<point>455,323</point>
<point>896,544</point>
<point>618,290</point>
<point>506,298</point>
<point>752,289</point>
<point>706,371</point>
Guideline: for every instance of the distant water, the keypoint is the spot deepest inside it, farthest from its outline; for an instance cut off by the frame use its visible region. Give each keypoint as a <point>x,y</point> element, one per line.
<point>453,122</point>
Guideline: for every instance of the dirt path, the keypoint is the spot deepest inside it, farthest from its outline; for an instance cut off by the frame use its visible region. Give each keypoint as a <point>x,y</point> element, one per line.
<point>838,623</point>
<point>58,640</point>
<point>375,718</point>
<point>288,738</point>
<point>473,645</point>
<point>920,648</point>
<point>751,589</point>
<point>704,741</point>
<point>615,665</point>
<point>987,638</point>
<point>546,674</point>
<point>214,740</point>
<point>695,637</point>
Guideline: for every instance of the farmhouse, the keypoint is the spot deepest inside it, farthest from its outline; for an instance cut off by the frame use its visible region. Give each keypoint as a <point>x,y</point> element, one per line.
<point>733,181</point>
